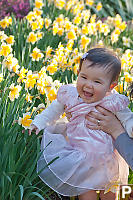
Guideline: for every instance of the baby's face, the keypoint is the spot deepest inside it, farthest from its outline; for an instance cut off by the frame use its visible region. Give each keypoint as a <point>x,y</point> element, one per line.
<point>93,82</point>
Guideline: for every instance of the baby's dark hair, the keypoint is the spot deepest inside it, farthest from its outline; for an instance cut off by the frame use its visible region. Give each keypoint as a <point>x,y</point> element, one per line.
<point>102,57</point>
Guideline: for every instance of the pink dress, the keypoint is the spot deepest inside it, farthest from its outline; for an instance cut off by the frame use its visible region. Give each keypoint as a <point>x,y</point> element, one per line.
<point>85,159</point>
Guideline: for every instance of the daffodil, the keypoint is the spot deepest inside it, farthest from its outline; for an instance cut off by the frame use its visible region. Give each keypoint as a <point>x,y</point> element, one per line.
<point>30,80</point>
<point>32,38</point>
<point>30,16</point>
<point>71,35</point>
<point>52,68</point>
<point>47,22</point>
<point>37,12</point>
<point>52,95</point>
<point>77,20</point>
<point>85,29</point>
<point>60,4</point>
<point>128,78</point>
<point>36,54</point>
<point>14,91</point>
<point>9,62</point>
<point>114,38</point>
<point>48,52</point>
<point>10,40</point>
<point>86,15</point>
<point>34,25</point>
<point>39,35</point>
<point>99,6</point>
<point>1,77</point>
<point>25,121</point>
<point>85,41</point>
<point>90,2</point>
<point>55,28</point>
<point>22,74</point>
<point>126,41</point>
<point>4,23</point>
<point>29,98</point>
<point>3,36</point>
<point>39,4</point>
<point>5,49</point>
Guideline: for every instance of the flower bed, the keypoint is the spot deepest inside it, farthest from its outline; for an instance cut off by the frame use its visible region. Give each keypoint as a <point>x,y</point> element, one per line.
<point>38,54</point>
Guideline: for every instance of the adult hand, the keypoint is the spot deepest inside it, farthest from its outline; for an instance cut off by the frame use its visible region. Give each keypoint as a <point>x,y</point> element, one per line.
<point>33,128</point>
<point>106,121</point>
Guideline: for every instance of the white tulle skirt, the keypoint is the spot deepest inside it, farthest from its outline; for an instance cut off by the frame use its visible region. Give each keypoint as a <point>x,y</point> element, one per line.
<point>71,172</point>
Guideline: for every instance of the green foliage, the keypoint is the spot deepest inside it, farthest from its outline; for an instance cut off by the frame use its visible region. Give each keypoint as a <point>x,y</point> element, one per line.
<point>113,7</point>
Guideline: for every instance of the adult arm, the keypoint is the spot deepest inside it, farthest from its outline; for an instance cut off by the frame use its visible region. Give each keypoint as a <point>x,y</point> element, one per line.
<point>111,125</point>
<point>124,145</point>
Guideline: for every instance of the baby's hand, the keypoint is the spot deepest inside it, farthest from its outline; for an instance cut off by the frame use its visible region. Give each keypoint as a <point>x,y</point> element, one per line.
<point>34,128</point>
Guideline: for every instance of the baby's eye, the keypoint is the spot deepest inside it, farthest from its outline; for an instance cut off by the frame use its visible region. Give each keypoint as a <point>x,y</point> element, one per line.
<point>97,82</point>
<point>83,77</point>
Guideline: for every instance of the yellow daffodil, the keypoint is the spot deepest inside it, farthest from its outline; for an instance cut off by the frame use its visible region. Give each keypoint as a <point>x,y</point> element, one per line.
<point>39,35</point>
<point>36,54</point>
<point>22,75</point>
<point>29,98</point>
<point>126,41</point>
<point>30,16</point>
<point>60,4</point>
<point>92,28</point>
<point>1,77</point>
<point>3,36</point>
<point>77,20</point>
<point>128,78</point>
<point>30,80</point>
<point>100,42</point>
<point>93,18</point>
<point>14,91</point>
<point>99,6</point>
<point>5,49</point>
<point>70,44</point>
<point>60,31</point>
<point>55,28</point>
<point>68,25</point>
<point>114,38</point>
<point>52,95</point>
<point>9,62</point>
<point>47,22</point>
<point>4,22</point>
<point>34,25</point>
<point>32,38</point>
<point>10,40</point>
<point>52,68</point>
<point>37,12</point>
<point>25,121</point>
<point>90,2</point>
<point>86,15</point>
<point>15,68</point>
<point>48,52</point>
<point>75,68</point>
<point>39,4</point>
<point>71,35</point>
<point>85,41</point>
<point>85,29</point>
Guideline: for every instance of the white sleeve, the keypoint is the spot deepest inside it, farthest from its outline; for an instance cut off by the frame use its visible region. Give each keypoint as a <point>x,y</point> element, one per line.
<point>126,118</point>
<point>49,115</point>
